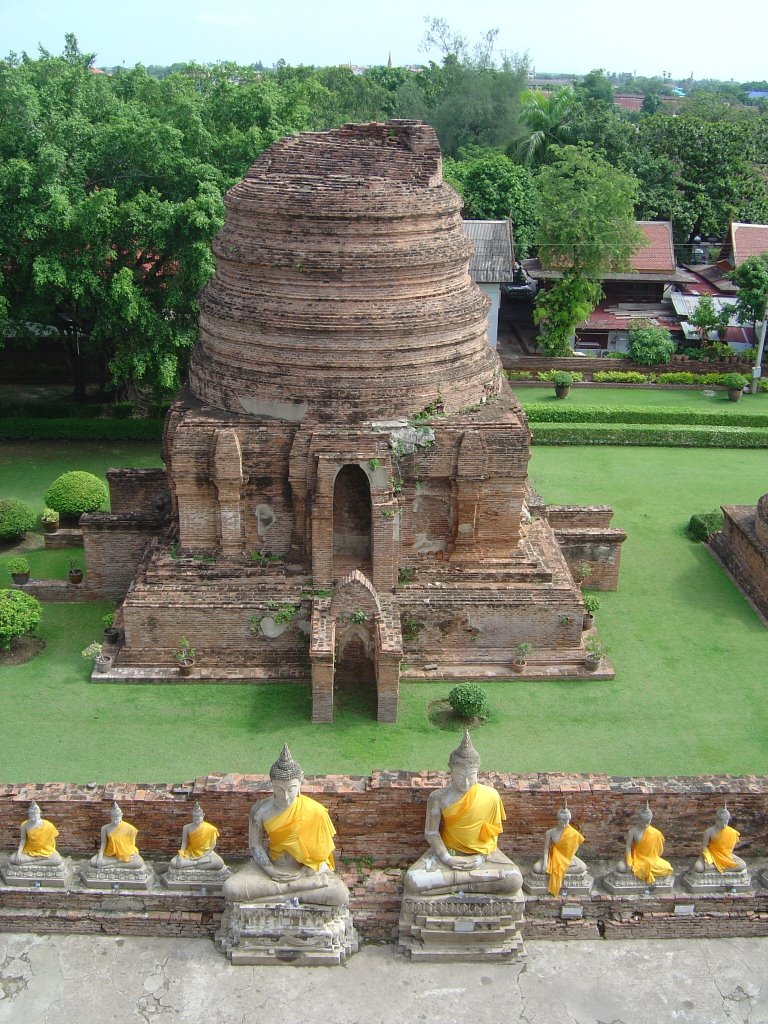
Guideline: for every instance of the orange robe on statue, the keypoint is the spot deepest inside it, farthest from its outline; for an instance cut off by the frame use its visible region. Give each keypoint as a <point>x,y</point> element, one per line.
<point>121,842</point>
<point>560,856</point>
<point>41,841</point>
<point>645,861</point>
<point>721,847</point>
<point>305,831</point>
<point>473,823</point>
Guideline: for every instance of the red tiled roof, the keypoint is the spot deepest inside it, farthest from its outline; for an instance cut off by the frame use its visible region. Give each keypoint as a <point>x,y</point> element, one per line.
<point>748,240</point>
<point>659,253</point>
<point>629,101</point>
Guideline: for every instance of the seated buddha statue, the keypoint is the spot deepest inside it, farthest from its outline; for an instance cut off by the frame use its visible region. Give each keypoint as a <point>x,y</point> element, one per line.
<point>644,847</point>
<point>717,846</point>
<point>37,844</point>
<point>463,823</point>
<point>290,837</point>
<point>198,839</point>
<point>118,843</point>
<point>560,846</point>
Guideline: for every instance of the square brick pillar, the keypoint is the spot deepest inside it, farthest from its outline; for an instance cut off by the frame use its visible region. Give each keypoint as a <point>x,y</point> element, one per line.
<point>322,688</point>
<point>387,686</point>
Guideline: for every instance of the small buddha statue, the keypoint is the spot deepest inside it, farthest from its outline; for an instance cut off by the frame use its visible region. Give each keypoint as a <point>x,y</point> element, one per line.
<point>717,846</point>
<point>198,839</point>
<point>644,847</point>
<point>118,843</point>
<point>37,844</point>
<point>463,823</point>
<point>290,837</point>
<point>559,859</point>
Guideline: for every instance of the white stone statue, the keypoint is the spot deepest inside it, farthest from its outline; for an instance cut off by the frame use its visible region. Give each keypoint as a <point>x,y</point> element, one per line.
<point>717,846</point>
<point>559,859</point>
<point>37,844</point>
<point>118,843</point>
<point>198,839</point>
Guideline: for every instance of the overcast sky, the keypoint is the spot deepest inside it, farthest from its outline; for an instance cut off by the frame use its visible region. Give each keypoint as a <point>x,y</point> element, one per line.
<point>648,38</point>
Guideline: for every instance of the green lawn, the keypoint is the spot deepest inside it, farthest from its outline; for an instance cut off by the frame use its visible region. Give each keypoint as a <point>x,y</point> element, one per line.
<point>684,398</point>
<point>689,653</point>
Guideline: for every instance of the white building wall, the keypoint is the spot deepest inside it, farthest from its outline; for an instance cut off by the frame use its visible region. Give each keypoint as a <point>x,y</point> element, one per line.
<point>493,291</point>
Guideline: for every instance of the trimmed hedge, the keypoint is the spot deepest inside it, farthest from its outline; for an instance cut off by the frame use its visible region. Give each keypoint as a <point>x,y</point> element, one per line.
<point>22,429</point>
<point>702,526</point>
<point>76,492</point>
<point>550,413</point>
<point>19,614</point>
<point>16,518</point>
<point>643,434</point>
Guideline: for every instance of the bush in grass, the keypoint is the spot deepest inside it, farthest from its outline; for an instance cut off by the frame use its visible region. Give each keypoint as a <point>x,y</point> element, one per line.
<point>622,377</point>
<point>734,381</point>
<point>76,492</point>
<point>15,519</point>
<point>468,701</point>
<point>549,375</point>
<point>19,615</point>
<point>649,345</point>
<point>701,527</point>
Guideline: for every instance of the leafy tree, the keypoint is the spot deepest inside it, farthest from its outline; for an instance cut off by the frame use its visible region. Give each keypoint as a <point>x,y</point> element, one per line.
<point>595,86</point>
<point>586,227</point>
<point>648,344</point>
<point>494,188</point>
<point>706,318</point>
<point>548,121</point>
<point>751,276</point>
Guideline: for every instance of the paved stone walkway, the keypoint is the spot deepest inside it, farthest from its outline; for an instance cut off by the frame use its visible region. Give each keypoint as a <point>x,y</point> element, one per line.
<point>78,979</point>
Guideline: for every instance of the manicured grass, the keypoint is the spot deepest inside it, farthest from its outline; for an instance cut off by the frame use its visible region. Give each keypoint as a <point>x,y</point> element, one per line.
<point>689,653</point>
<point>683,398</point>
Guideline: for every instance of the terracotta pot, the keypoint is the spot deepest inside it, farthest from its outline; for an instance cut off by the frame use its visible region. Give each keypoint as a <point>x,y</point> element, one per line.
<point>561,390</point>
<point>734,394</point>
<point>518,666</point>
<point>51,527</point>
<point>185,667</point>
<point>75,576</point>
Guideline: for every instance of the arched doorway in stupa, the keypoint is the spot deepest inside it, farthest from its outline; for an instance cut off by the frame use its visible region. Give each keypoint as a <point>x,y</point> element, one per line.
<point>351,522</point>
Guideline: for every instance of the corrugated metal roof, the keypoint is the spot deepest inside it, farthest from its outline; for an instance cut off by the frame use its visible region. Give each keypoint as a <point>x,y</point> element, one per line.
<point>493,261</point>
<point>685,305</point>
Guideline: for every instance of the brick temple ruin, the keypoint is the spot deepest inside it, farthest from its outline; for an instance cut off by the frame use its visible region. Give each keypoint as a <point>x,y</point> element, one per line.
<point>742,548</point>
<point>345,495</point>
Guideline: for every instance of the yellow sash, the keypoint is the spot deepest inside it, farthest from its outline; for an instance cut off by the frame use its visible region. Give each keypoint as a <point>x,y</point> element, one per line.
<point>645,860</point>
<point>200,841</point>
<point>121,842</point>
<point>560,856</point>
<point>721,847</point>
<point>40,841</point>
<point>472,824</point>
<point>305,831</point>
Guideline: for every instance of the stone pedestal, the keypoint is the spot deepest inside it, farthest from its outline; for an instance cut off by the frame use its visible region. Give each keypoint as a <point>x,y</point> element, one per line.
<point>467,928</point>
<point>629,885</point>
<point>34,876</point>
<point>574,884</point>
<point>306,935</point>
<point>193,879</point>
<point>108,876</point>
<point>715,881</point>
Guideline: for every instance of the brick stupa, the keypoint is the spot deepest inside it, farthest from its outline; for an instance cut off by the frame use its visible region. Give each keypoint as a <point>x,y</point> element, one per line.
<point>345,496</point>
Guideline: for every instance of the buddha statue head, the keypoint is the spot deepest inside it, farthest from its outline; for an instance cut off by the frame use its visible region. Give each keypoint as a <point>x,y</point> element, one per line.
<point>198,814</point>
<point>645,816</point>
<point>563,816</point>
<point>286,777</point>
<point>115,813</point>
<point>464,763</point>
<point>722,816</point>
<point>34,813</point>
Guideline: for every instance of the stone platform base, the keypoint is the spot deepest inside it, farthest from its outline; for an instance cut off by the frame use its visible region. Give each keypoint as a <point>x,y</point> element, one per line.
<point>628,885</point>
<point>35,876</point>
<point>195,879</point>
<point>307,935</point>
<point>714,881</point>
<point>466,928</point>
<point>573,884</point>
<point>109,876</point>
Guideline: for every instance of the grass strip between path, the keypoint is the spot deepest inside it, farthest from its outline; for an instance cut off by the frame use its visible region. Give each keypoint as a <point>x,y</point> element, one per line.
<point>649,435</point>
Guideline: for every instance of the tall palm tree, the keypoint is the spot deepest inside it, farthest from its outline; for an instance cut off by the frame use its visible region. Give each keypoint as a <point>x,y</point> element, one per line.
<point>548,120</point>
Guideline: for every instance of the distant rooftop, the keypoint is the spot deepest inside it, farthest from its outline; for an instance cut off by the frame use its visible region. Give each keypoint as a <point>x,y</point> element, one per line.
<point>493,260</point>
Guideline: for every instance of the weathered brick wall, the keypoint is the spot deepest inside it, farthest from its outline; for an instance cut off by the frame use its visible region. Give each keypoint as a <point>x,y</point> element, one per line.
<point>138,490</point>
<point>114,547</point>
<point>743,552</point>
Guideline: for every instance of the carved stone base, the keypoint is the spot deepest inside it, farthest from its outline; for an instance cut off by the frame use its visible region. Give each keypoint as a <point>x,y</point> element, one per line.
<point>34,876</point>
<point>306,935</point>
<point>468,928</point>
<point>714,881</point>
<point>195,879</point>
<point>109,876</point>
<point>629,885</point>
<point>574,884</point>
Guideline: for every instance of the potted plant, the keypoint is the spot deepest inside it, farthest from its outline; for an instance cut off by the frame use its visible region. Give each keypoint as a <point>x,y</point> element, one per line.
<point>95,652</point>
<point>185,656</point>
<point>735,384</point>
<point>111,633</point>
<point>562,381</point>
<point>50,520</point>
<point>75,573</point>
<point>18,567</point>
<point>591,605</point>
<point>521,653</point>
<point>583,573</point>
<point>595,651</point>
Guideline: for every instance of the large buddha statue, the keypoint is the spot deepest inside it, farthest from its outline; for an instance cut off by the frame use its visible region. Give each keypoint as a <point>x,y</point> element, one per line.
<point>643,850</point>
<point>291,846</point>
<point>717,846</point>
<point>118,843</point>
<point>463,823</point>
<point>559,858</point>
<point>37,844</point>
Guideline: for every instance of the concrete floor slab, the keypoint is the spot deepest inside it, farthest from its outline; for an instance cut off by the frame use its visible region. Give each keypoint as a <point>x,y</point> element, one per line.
<point>55,979</point>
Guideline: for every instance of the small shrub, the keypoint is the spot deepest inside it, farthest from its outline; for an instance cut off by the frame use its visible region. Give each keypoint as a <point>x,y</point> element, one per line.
<point>358,618</point>
<point>405,575</point>
<point>549,376</point>
<point>734,381</point>
<point>468,701</point>
<point>702,526</point>
<point>19,615</point>
<point>562,379</point>
<point>92,651</point>
<point>591,604</point>
<point>15,519</point>
<point>622,377</point>
<point>595,648</point>
<point>76,492</point>
<point>518,374</point>
<point>17,566</point>
<point>49,515</point>
<point>649,345</point>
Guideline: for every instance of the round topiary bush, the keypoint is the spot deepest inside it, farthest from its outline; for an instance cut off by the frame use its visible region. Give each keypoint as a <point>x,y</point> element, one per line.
<point>468,701</point>
<point>15,518</point>
<point>76,492</point>
<point>19,614</point>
